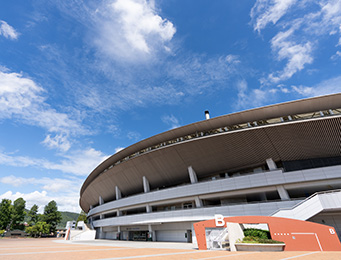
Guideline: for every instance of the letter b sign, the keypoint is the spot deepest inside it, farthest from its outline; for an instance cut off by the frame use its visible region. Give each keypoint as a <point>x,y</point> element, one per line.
<point>219,220</point>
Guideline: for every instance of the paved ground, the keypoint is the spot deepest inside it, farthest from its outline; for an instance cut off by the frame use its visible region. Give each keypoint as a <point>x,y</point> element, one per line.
<point>38,249</point>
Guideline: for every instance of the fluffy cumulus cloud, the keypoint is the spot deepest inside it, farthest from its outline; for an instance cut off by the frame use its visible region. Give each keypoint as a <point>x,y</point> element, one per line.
<point>299,32</point>
<point>132,30</point>
<point>78,162</point>
<point>52,185</point>
<point>66,202</point>
<point>23,99</point>
<point>8,31</point>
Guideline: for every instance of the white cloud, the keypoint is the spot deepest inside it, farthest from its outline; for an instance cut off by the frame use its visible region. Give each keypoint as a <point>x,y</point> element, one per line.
<point>232,59</point>
<point>131,30</point>
<point>197,72</point>
<point>59,141</point>
<point>325,87</point>
<point>298,55</point>
<point>79,162</point>
<point>252,98</point>
<point>118,149</point>
<point>269,11</point>
<point>8,31</point>
<point>67,201</point>
<point>132,135</point>
<point>22,99</point>
<point>336,56</point>
<point>52,185</point>
<point>171,120</point>
<point>300,31</point>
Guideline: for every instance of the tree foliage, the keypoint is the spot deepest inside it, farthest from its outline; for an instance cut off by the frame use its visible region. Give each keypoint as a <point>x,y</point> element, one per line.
<point>51,215</point>
<point>18,214</point>
<point>39,229</point>
<point>33,215</point>
<point>82,217</point>
<point>5,214</point>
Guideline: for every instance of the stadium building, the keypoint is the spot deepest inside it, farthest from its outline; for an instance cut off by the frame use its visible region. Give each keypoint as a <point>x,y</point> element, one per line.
<point>279,160</point>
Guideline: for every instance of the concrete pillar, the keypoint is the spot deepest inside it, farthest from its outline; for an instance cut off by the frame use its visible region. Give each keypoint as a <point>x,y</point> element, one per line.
<point>271,164</point>
<point>100,200</point>
<point>146,186</point>
<point>118,233</point>
<point>235,232</point>
<point>283,194</point>
<point>192,175</point>
<point>101,233</point>
<point>152,232</point>
<point>119,213</point>
<point>118,193</point>
<point>198,202</point>
<point>148,208</point>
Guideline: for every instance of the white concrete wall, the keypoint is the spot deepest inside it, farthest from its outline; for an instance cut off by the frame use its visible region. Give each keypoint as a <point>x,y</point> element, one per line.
<point>265,179</point>
<point>196,214</point>
<point>83,235</point>
<point>312,206</point>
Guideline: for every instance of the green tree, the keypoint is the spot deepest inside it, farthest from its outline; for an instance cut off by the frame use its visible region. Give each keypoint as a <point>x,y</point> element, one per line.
<point>82,217</point>
<point>33,215</point>
<point>51,215</point>
<point>39,229</point>
<point>5,213</point>
<point>18,214</point>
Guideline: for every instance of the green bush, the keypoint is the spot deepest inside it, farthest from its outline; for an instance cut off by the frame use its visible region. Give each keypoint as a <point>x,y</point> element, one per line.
<point>2,233</point>
<point>254,232</point>
<point>258,240</point>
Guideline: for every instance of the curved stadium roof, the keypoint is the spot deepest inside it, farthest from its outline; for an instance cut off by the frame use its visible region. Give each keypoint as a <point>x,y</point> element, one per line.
<point>294,130</point>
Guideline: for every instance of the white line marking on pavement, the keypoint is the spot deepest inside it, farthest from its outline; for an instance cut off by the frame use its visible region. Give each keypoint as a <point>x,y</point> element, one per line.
<point>144,256</point>
<point>67,251</point>
<point>213,257</point>
<point>33,247</point>
<point>296,256</point>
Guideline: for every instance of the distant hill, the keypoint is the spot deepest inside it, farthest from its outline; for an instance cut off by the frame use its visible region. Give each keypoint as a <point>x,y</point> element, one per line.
<point>67,216</point>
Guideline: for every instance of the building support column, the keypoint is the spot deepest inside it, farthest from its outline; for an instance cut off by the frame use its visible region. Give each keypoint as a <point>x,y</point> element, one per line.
<point>192,175</point>
<point>101,233</point>
<point>146,186</point>
<point>271,164</point>
<point>148,208</point>
<point>151,233</point>
<point>118,213</point>
<point>100,200</point>
<point>283,193</point>
<point>198,202</point>
<point>118,193</point>
<point>118,237</point>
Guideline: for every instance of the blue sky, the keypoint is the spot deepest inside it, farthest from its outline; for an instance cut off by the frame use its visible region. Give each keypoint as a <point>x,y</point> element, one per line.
<point>80,80</point>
